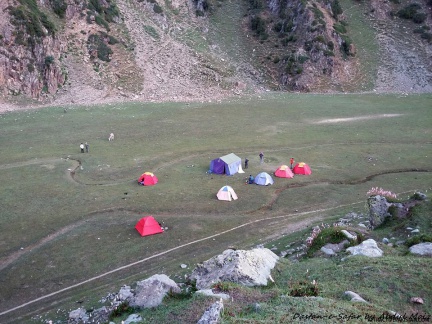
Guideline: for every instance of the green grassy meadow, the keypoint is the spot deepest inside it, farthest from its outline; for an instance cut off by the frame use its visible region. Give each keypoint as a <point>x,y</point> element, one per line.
<point>68,217</point>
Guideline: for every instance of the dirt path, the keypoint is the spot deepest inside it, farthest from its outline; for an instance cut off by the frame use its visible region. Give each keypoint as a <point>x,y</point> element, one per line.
<point>295,226</point>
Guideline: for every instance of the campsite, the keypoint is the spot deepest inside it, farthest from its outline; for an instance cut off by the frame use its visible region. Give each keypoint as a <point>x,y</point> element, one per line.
<point>68,219</point>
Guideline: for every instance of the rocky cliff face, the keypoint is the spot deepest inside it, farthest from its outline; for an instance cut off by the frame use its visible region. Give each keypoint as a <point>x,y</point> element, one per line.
<point>80,51</point>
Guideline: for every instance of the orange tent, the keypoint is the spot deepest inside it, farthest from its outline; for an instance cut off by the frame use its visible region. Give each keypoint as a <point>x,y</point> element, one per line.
<point>302,168</point>
<point>284,172</point>
<point>148,226</point>
<point>148,179</point>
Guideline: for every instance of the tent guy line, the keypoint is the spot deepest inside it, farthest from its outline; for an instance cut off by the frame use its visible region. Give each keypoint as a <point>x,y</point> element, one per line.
<point>179,247</point>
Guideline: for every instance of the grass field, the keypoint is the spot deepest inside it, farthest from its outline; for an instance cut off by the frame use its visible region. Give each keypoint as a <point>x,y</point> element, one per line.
<point>67,217</point>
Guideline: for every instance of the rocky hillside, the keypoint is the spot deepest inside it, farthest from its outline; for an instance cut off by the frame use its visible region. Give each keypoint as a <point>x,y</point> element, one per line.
<point>89,51</point>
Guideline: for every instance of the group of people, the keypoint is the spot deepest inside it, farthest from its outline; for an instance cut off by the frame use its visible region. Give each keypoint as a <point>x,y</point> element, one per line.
<point>261,157</point>
<point>85,146</point>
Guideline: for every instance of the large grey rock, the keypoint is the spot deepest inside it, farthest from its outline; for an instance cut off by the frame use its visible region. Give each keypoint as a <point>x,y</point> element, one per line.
<point>102,314</point>
<point>354,297</point>
<point>150,292</point>
<point>249,268</point>
<point>78,316</point>
<point>348,235</point>
<point>212,313</point>
<point>209,292</point>
<point>133,318</point>
<point>378,210</point>
<point>125,293</point>
<point>422,249</point>
<point>367,248</point>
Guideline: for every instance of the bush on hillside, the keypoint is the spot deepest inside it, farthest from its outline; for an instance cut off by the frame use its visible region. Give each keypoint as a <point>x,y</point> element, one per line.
<point>96,43</point>
<point>419,17</point>
<point>303,288</point>
<point>417,239</point>
<point>411,12</point>
<point>59,7</point>
<point>336,8</point>
<point>157,8</point>
<point>258,25</point>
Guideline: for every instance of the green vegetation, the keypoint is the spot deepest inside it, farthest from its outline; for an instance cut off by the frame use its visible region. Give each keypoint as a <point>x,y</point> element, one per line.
<point>151,31</point>
<point>59,7</point>
<point>157,8</point>
<point>30,22</point>
<point>336,8</point>
<point>96,43</point>
<point>258,25</point>
<point>104,11</point>
<point>84,206</point>
<point>411,12</point>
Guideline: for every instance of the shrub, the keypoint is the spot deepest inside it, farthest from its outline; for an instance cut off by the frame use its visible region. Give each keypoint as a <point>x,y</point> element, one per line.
<point>339,28</point>
<point>409,11</point>
<point>157,8</point>
<point>101,22</point>
<point>418,239</point>
<point>320,38</point>
<point>336,8</point>
<point>256,4</point>
<point>258,24</point>
<point>427,36</point>
<point>303,288</point>
<point>59,7</point>
<point>49,60</point>
<point>121,309</point>
<point>419,17</point>
<point>96,42</point>
<point>30,67</point>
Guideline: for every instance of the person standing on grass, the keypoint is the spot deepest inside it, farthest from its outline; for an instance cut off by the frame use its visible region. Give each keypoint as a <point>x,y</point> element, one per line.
<point>82,147</point>
<point>261,156</point>
<point>87,147</point>
<point>246,163</point>
<point>292,163</point>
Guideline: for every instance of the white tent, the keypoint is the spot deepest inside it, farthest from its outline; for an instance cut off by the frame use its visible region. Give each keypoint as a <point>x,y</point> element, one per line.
<point>226,193</point>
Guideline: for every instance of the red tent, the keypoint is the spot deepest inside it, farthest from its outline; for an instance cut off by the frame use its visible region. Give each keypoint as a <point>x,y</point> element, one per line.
<point>148,226</point>
<point>284,172</point>
<point>302,168</point>
<point>148,179</point>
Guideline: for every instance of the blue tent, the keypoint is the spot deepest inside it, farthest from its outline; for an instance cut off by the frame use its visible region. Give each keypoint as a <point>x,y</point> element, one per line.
<point>263,179</point>
<point>228,164</point>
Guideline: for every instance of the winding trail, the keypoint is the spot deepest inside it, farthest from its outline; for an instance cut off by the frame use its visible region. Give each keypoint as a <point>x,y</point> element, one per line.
<point>76,164</point>
<point>182,246</point>
<point>169,251</point>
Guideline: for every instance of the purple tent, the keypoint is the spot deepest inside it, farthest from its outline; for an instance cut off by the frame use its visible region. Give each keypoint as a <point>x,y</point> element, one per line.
<point>228,164</point>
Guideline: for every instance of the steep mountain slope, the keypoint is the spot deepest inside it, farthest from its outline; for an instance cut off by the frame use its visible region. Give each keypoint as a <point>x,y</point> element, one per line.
<point>89,51</point>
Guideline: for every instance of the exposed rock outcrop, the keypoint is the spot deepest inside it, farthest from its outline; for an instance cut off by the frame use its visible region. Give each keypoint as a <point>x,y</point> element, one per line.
<point>249,268</point>
<point>367,248</point>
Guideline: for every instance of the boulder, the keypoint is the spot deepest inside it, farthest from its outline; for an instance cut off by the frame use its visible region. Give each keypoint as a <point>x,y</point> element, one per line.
<point>422,249</point>
<point>367,248</point>
<point>354,297</point>
<point>378,210</point>
<point>209,292</point>
<point>249,268</point>
<point>78,316</point>
<point>150,292</point>
<point>124,293</point>
<point>348,235</point>
<point>133,318</point>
